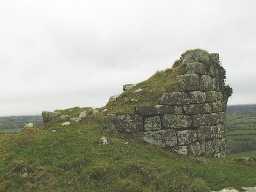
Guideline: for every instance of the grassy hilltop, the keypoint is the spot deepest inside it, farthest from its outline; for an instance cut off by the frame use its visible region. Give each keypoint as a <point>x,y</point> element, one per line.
<point>72,158</point>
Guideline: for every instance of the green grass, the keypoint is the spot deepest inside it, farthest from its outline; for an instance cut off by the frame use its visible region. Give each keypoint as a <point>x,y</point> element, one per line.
<point>73,112</point>
<point>152,90</point>
<point>71,159</point>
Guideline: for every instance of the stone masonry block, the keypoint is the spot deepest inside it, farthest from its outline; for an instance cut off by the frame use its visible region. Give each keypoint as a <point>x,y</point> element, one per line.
<point>207,83</point>
<point>208,119</point>
<point>152,123</point>
<point>218,106</point>
<point>197,148</point>
<point>177,121</point>
<point>197,109</point>
<point>169,109</point>
<point>197,68</point>
<point>188,82</point>
<point>146,111</point>
<point>195,97</point>
<point>165,138</point>
<point>212,96</point>
<point>181,98</point>
<point>173,98</point>
<point>186,137</point>
<point>182,150</point>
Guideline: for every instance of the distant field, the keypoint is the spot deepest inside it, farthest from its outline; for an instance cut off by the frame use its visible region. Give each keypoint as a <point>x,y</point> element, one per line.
<point>241,129</point>
<point>16,123</point>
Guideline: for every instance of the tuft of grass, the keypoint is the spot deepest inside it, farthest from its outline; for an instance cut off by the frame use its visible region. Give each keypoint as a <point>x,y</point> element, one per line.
<point>72,112</point>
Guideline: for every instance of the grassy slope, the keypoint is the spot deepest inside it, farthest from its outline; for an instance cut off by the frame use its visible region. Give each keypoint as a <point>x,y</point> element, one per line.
<point>71,159</point>
<point>152,90</point>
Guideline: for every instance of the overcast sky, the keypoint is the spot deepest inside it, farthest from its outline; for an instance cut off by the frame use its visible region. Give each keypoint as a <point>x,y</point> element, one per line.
<point>64,53</point>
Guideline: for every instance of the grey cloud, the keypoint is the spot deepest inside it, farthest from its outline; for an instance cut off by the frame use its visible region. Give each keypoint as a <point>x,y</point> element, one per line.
<point>56,54</point>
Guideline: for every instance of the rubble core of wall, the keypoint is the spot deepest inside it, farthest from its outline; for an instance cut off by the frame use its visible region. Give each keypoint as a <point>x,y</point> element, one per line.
<point>190,120</point>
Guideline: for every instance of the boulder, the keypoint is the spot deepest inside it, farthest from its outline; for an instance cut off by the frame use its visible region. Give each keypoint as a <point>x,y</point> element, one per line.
<point>83,115</point>
<point>66,124</point>
<point>104,140</point>
<point>29,125</point>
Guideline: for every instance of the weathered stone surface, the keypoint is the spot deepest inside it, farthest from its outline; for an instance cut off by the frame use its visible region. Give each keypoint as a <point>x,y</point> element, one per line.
<point>167,109</point>
<point>196,68</point>
<point>152,123</point>
<point>212,96</point>
<point>207,83</point>
<point>197,109</point>
<point>173,98</point>
<point>208,119</point>
<point>186,137</point>
<point>176,121</point>
<point>182,150</point>
<point>210,147</point>
<point>218,106</point>
<point>128,123</point>
<point>181,98</point>
<point>148,111</point>
<point>210,132</point>
<point>196,56</point>
<point>166,138</point>
<point>188,82</point>
<point>195,97</point>
<point>197,148</point>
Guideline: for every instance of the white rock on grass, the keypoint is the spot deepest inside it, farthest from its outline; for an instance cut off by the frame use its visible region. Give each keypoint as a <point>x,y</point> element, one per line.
<point>134,100</point>
<point>138,90</point>
<point>249,189</point>
<point>229,189</point>
<point>75,119</point>
<point>28,125</point>
<point>104,140</point>
<point>66,124</point>
<point>83,115</point>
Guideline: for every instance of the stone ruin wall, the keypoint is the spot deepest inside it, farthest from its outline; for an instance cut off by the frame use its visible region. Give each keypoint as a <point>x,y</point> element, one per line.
<point>189,121</point>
